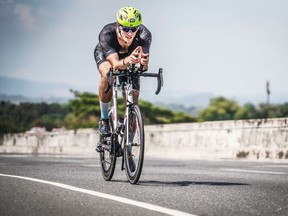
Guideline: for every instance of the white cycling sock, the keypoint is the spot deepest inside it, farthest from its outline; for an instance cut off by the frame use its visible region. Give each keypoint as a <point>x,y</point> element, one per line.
<point>104,110</point>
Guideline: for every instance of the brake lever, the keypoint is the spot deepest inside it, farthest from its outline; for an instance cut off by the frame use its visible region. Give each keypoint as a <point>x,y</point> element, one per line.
<point>160,81</point>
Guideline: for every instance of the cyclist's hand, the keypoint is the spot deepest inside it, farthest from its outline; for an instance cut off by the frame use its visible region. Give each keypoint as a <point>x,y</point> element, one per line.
<point>144,59</point>
<point>136,55</point>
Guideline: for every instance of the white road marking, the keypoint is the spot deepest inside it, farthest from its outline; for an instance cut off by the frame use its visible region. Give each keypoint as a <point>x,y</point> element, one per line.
<point>90,165</point>
<point>256,171</point>
<point>106,196</point>
<point>277,165</point>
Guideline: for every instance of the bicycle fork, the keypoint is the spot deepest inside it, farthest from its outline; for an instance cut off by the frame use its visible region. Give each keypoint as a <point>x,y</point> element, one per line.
<point>126,122</point>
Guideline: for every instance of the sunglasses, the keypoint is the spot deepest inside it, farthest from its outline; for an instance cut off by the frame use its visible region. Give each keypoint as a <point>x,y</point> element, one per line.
<point>127,29</point>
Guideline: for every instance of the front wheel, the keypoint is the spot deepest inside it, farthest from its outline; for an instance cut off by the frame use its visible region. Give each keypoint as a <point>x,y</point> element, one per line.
<point>134,148</point>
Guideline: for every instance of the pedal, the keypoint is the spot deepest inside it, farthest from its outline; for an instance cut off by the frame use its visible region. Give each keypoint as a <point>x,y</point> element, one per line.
<point>99,147</point>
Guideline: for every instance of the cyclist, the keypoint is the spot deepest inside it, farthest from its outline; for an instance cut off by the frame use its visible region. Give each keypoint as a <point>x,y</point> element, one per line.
<point>121,43</point>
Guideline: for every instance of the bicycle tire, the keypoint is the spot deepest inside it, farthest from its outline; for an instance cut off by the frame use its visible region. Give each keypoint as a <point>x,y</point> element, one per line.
<point>108,157</point>
<point>135,149</point>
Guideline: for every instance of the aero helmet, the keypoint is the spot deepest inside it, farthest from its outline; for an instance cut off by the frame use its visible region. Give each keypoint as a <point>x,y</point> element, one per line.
<point>129,17</point>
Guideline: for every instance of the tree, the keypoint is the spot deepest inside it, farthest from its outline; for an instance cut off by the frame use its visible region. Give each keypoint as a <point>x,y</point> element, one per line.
<point>248,111</point>
<point>283,110</point>
<point>84,110</point>
<point>219,108</point>
<point>24,116</point>
<point>153,114</point>
<point>267,111</point>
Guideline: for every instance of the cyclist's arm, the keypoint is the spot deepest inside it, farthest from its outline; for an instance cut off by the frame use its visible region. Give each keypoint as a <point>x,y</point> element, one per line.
<point>145,41</point>
<point>113,58</point>
<point>122,64</point>
<point>116,62</point>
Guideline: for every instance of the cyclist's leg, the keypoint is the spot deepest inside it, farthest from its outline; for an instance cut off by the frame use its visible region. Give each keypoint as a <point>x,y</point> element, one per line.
<point>135,96</point>
<point>135,101</point>
<point>136,90</point>
<point>132,121</point>
<point>104,99</point>
<point>103,67</point>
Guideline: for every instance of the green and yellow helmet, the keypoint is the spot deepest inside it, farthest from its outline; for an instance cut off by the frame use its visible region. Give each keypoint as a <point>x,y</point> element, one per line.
<point>129,17</point>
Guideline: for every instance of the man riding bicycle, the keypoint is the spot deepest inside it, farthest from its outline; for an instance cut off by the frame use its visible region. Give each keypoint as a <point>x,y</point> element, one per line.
<point>121,44</point>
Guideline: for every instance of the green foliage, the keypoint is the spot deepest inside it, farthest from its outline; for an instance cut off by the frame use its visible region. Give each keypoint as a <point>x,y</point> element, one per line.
<point>272,111</point>
<point>153,114</point>
<point>83,111</point>
<point>248,111</point>
<point>283,110</point>
<point>22,117</point>
<point>220,108</point>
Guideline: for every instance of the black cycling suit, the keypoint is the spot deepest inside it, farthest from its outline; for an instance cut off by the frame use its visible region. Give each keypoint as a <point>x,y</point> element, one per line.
<point>108,43</point>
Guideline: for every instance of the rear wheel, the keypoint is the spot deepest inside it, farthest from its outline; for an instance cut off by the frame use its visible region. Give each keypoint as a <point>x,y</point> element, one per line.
<point>134,148</point>
<point>108,154</point>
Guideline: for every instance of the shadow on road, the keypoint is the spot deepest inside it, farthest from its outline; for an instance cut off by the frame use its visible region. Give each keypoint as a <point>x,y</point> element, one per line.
<point>189,183</point>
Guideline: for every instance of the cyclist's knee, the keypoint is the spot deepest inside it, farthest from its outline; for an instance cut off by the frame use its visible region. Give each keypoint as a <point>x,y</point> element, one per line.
<point>135,96</point>
<point>136,92</point>
<point>104,67</point>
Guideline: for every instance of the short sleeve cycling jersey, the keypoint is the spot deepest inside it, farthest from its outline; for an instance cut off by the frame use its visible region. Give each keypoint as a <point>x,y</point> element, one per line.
<point>108,43</point>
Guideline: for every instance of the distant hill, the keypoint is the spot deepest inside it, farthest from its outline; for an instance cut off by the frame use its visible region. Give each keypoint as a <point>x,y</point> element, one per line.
<point>32,89</point>
<point>191,110</point>
<point>20,98</point>
<point>21,90</point>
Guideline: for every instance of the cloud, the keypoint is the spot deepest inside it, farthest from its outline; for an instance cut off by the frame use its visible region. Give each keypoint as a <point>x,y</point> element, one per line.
<point>6,2</point>
<point>26,17</point>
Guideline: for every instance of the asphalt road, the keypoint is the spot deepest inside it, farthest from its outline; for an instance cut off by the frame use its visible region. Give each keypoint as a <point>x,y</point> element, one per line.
<point>74,186</point>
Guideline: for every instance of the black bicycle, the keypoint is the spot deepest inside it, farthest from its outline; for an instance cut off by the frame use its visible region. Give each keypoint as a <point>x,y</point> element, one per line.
<point>127,138</point>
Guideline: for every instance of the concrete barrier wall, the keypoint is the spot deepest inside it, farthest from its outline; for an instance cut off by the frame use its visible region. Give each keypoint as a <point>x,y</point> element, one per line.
<point>80,141</point>
<point>251,139</point>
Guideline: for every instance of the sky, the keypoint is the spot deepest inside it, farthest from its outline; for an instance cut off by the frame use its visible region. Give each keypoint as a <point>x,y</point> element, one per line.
<point>224,48</point>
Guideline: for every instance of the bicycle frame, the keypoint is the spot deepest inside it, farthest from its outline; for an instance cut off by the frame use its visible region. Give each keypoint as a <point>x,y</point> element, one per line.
<point>128,89</point>
<point>133,147</point>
